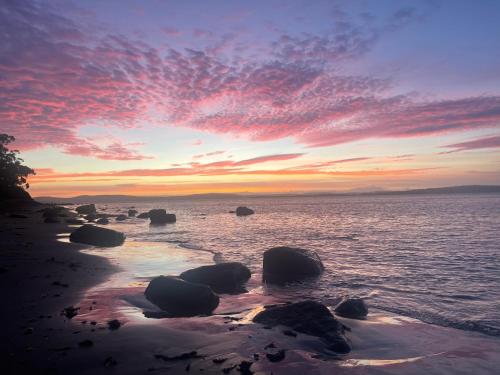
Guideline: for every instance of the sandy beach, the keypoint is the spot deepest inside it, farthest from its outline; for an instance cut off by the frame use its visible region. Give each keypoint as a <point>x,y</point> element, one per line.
<point>42,274</point>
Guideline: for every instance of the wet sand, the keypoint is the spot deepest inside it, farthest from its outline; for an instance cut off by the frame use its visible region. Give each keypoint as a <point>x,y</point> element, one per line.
<point>41,275</point>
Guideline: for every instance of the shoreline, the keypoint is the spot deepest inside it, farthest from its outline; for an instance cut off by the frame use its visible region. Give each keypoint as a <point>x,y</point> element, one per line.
<point>383,344</point>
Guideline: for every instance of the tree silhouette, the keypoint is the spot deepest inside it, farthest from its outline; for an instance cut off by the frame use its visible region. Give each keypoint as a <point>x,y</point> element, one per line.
<point>13,174</point>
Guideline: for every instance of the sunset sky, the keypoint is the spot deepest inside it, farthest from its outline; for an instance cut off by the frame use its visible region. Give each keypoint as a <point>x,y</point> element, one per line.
<point>169,97</point>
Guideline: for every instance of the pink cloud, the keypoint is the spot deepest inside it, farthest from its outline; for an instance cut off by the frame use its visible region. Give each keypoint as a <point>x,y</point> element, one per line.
<point>56,79</point>
<point>476,144</point>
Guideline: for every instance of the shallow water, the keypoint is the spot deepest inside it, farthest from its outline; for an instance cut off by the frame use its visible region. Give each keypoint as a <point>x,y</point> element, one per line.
<point>432,257</point>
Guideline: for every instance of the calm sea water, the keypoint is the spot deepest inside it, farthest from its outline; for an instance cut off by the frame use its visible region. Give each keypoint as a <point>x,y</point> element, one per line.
<point>432,257</point>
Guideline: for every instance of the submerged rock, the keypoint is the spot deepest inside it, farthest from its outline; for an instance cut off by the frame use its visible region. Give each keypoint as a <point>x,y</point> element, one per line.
<point>181,298</point>
<point>143,215</point>
<point>86,209</point>
<point>222,277</point>
<point>92,235</point>
<point>353,308</point>
<point>160,216</point>
<point>311,318</point>
<point>244,211</point>
<point>286,264</point>
<point>132,213</point>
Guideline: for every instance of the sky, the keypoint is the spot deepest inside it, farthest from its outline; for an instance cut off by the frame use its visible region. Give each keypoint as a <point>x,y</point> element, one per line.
<point>171,98</point>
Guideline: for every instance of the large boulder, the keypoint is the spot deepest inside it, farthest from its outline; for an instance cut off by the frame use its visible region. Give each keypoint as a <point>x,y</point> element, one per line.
<point>143,215</point>
<point>311,318</point>
<point>285,264</point>
<point>181,298</point>
<point>244,211</point>
<point>353,308</point>
<point>132,213</point>
<point>97,236</point>
<point>160,216</point>
<point>86,209</point>
<point>222,277</point>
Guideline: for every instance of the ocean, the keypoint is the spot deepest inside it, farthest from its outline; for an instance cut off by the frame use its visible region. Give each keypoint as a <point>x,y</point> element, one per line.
<point>435,258</point>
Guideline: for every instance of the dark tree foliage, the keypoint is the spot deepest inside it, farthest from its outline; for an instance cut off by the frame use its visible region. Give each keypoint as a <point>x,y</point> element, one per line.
<point>13,174</point>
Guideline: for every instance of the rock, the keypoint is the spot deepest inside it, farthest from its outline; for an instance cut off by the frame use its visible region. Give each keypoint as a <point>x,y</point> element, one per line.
<point>160,216</point>
<point>121,217</point>
<point>53,211</point>
<point>51,220</point>
<point>132,213</point>
<point>222,277</point>
<point>93,235</point>
<point>74,221</point>
<point>276,357</point>
<point>353,308</point>
<point>144,215</point>
<point>86,209</point>
<point>91,217</point>
<point>114,324</point>
<point>181,298</point>
<point>102,221</point>
<point>309,317</point>
<point>70,312</point>
<point>244,211</point>
<point>286,264</point>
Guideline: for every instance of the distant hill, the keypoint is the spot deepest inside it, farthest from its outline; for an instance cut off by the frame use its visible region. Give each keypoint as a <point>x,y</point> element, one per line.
<point>81,199</point>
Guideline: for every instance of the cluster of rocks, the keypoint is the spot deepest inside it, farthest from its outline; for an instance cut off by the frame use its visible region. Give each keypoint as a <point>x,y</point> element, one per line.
<point>194,292</point>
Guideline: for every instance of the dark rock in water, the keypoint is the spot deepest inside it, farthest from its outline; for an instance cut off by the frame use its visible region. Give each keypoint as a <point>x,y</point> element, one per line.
<point>74,221</point>
<point>92,235</point>
<point>311,318</point>
<point>102,221</point>
<point>181,298</point>
<point>244,211</point>
<point>276,357</point>
<point>132,213</point>
<point>232,212</point>
<point>285,264</point>
<point>114,324</point>
<point>222,277</point>
<point>244,368</point>
<point>52,220</point>
<point>91,217</point>
<point>353,308</point>
<point>160,216</point>
<point>121,217</point>
<point>144,215</point>
<point>86,209</point>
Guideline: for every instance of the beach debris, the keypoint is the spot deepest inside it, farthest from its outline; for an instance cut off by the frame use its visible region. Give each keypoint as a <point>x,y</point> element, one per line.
<point>221,277</point>
<point>109,362</point>
<point>86,343</point>
<point>244,367</point>
<point>93,235</point>
<point>160,216</point>
<point>86,209</point>
<point>244,211</point>
<point>114,324</point>
<point>181,298</point>
<point>311,318</point>
<point>352,308</point>
<point>286,264</point>
<point>70,312</point>
<point>218,361</point>
<point>132,213</point>
<point>188,355</point>
<point>276,357</point>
